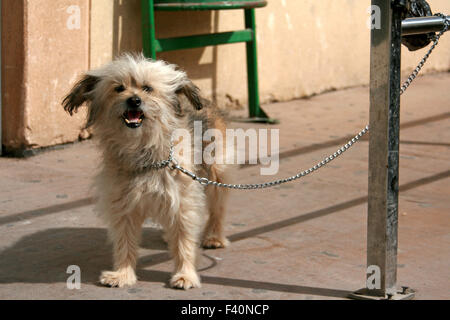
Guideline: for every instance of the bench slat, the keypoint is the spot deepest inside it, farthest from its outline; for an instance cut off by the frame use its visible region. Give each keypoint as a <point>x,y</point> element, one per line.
<point>174,5</point>
<point>203,40</point>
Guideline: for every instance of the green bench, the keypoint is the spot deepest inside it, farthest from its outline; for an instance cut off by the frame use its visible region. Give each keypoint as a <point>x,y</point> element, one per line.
<point>152,45</point>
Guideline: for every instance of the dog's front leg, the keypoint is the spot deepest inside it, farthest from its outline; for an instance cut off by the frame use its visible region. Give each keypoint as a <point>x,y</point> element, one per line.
<point>124,232</point>
<point>183,237</point>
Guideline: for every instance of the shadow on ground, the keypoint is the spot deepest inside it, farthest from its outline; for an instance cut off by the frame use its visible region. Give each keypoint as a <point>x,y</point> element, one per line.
<point>44,257</point>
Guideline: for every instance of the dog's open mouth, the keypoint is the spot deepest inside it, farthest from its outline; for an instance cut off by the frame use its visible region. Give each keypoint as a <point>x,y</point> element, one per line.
<point>133,118</point>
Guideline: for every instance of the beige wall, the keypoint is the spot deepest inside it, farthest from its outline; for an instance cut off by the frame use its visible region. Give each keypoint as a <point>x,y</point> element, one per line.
<point>305,47</point>
<point>42,57</point>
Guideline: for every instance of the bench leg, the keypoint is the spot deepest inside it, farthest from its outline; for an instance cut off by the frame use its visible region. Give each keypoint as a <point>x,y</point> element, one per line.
<point>255,111</point>
<point>148,28</point>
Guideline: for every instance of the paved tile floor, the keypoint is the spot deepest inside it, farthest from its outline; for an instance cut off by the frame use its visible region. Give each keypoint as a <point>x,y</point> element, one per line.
<point>304,240</point>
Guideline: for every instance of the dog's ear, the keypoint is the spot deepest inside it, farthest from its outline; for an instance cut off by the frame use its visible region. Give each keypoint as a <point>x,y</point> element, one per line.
<point>80,93</point>
<point>192,92</point>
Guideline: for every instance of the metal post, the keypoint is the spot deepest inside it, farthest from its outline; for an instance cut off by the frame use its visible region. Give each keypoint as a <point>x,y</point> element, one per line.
<point>256,114</point>
<point>384,156</point>
<point>252,67</point>
<point>422,25</point>
<point>148,28</point>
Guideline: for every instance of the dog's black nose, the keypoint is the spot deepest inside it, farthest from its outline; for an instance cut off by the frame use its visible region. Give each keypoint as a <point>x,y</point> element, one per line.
<point>134,102</point>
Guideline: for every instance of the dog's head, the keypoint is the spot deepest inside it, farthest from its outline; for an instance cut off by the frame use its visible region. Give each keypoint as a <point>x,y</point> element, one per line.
<point>133,95</point>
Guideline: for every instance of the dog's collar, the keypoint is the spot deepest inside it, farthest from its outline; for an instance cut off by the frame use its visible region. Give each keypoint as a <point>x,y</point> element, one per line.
<point>161,164</point>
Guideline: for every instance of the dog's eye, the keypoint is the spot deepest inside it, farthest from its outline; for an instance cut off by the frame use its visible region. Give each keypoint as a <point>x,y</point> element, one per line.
<point>147,88</point>
<point>119,89</point>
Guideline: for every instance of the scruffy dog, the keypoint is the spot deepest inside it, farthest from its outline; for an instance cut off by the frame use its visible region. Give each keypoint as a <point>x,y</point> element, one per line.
<point>134,106</point>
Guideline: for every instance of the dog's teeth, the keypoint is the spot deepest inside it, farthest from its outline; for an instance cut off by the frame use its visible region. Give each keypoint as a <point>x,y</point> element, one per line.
<point>140,120</point>
<point>127,121</point>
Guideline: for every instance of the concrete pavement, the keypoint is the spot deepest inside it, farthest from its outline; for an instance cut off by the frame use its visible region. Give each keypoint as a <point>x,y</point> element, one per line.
<point>303,240</point>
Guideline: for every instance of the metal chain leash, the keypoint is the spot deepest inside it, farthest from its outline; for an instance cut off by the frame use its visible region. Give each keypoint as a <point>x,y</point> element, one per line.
<point>161,164</point>
<point>416,71</point>
<point>206,182</point>
<point>172,163</point>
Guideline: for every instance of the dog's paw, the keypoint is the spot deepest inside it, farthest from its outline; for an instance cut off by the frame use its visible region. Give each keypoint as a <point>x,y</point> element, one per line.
<point>215,242</point>
<point>117,278</point>
<point>185,281</point>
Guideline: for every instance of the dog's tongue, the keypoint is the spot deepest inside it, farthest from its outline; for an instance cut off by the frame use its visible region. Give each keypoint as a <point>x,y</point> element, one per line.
<point>133,115</point>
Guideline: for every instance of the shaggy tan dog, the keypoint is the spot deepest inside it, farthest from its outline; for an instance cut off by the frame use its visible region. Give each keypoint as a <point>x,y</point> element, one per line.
<point>134,106</point>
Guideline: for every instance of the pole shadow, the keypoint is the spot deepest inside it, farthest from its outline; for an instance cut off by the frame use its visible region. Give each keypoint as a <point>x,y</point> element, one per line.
<point>154,276</point>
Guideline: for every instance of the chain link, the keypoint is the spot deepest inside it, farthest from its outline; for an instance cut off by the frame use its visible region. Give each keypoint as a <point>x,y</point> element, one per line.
<point>206,182</point>
<point>416,71</point>
<point>172,163</point>
<point>161,164</point>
